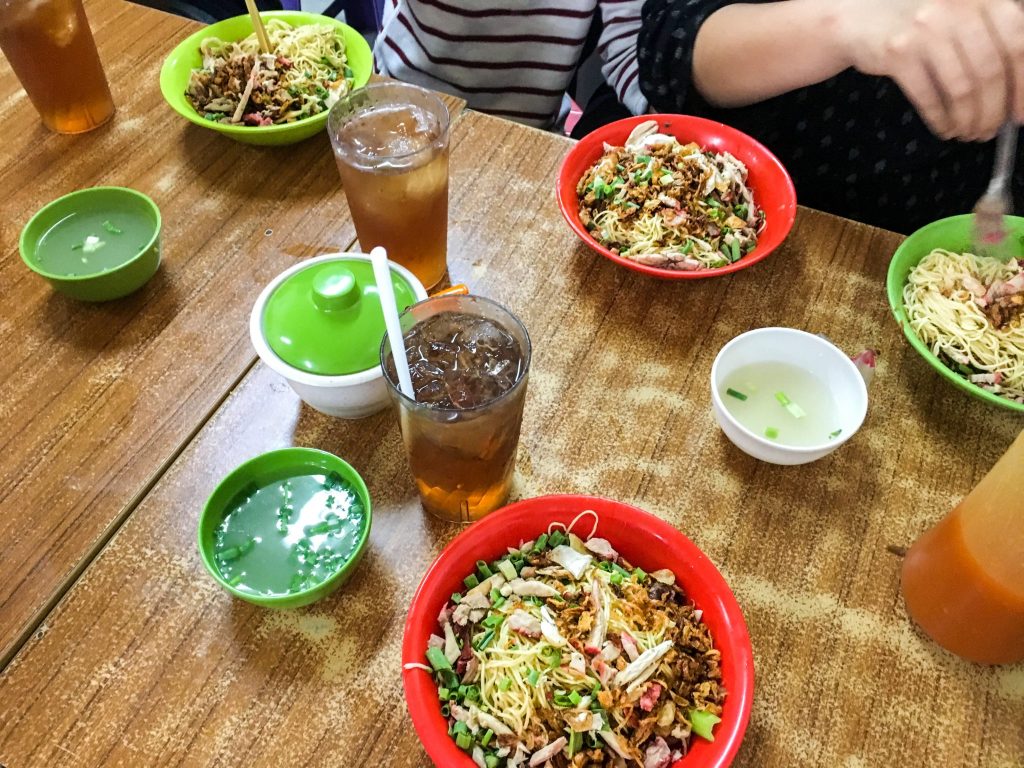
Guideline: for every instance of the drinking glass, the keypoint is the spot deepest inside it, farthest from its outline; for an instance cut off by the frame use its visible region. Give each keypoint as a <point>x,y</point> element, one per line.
<point>462,458</point>
<point>51,49</point>
<point>391,144</point>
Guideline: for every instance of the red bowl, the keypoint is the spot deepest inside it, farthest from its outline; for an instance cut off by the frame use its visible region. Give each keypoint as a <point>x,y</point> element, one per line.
<point>642,539</point>
<point>769,180</point>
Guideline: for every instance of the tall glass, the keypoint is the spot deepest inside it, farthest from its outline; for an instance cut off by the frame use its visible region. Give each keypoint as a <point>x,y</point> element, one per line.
<point>391,144</point>
<point>462,458</point>
<point>963,580</point>
<point>51,49</point>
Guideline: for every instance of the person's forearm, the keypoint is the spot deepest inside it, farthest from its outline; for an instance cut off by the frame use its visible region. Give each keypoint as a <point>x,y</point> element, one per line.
<point>750,52</point>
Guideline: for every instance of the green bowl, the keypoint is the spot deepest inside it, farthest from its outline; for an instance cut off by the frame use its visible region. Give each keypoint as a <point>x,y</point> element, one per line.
<point>953,234</point>
<point>268,468</point>
<point>112,283</point>
<point>185,57</point>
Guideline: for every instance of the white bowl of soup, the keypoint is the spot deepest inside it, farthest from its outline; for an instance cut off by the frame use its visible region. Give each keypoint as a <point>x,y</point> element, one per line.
<point>786,396</point>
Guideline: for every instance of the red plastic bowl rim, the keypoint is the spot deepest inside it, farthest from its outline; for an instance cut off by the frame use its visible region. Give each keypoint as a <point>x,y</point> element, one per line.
<point>778,228</point>
<point>421,691</point>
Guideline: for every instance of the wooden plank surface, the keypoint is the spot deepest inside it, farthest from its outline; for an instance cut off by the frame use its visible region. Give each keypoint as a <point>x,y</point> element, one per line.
<point>147,662</point>
<point>96,400</point>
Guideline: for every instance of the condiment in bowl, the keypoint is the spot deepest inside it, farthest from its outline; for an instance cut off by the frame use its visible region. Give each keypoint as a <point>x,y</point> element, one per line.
<point>786,396</point>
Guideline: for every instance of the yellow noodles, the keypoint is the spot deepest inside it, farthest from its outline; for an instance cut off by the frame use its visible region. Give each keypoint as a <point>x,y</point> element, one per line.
<point>945,315</point>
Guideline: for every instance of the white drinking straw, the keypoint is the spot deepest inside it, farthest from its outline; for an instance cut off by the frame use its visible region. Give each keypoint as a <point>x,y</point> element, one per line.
<point>388,305</point>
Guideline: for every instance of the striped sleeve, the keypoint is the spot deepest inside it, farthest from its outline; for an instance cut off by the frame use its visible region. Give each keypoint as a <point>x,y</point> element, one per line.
<point>617,47</point>
<point>513,59</point>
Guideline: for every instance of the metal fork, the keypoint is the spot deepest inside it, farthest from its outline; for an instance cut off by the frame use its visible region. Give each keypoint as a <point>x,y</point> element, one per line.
<point>990,235</point>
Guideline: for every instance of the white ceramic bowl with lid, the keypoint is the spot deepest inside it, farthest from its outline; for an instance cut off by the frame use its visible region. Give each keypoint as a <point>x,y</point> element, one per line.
<point>814,354</point>
<point>318,324</point>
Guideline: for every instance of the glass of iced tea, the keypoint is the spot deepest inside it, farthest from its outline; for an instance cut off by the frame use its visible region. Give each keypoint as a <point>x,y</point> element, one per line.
<point>391,144</point>
<point>50,47</point>
<point>469,359</point>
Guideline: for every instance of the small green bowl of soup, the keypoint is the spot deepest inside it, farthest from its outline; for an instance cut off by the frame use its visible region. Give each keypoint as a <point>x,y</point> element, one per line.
<point>286,528</point>
<point>95,244</point>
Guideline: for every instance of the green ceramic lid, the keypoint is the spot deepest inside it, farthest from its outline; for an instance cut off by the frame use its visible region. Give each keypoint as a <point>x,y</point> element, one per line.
<point>327,319</point>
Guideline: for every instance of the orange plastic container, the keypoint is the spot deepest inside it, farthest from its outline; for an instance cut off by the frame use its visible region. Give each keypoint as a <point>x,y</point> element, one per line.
<point>963,580</point>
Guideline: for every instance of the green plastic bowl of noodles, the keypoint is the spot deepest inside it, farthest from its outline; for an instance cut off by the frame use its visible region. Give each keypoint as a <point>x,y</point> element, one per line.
<point>177,68</point>
<point>953,234</point>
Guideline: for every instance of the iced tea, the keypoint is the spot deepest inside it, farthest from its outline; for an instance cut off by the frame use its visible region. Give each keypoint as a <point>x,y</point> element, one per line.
<point>391,145</point>
<point>50,47</point>
<point>468,359</point>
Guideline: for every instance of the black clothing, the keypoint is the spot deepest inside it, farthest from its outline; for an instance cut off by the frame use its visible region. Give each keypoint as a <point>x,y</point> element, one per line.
<point>853,144</point>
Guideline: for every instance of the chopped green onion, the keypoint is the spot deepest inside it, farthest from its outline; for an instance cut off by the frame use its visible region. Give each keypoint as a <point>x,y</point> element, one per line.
<point>505,684</point>
<point>561,700</point>
<point>666,179</point>
<point>687,247</point>
<point>464,741</point>
<point>553,657</point>
<point>534,677</point>
<point>574,697</point>
<point>486,738</point>
<point>712,202</point>
<point>836,433</point>
<point>643,159</point>
<point>443,693</point>
<point>473,693</point>
<point>484,641</point>
<point>796,411</point>
<point>734,250</point>
<point>616,578</point>
<point>471,581</point>
<point>507,569</point>
<point>542,541</point>
<point>111,228</point>
<point>76,247</point>
<point>498,603</point>
<point>771,433</point>
<point>783,400</point>
<point>485,570</point>
<point>491,761</point>
<point>460,727</point>
<point>556,539</point>
<point>701,722</point>
<point>493,620</point>
<point>741,211</point>
<point>445,710</point>
<point>575,742</point>
<point>735,393</point>
<point>456,597</point>
<point>233,553</point>
<point>639,574</point>
<point>438,660</point>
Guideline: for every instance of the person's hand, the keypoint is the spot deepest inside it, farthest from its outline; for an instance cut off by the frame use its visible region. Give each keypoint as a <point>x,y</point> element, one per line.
<point>959,62</point>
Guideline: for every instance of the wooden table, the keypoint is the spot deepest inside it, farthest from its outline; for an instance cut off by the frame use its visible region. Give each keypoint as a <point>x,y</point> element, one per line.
<point>119,419</point>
